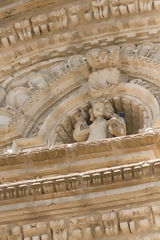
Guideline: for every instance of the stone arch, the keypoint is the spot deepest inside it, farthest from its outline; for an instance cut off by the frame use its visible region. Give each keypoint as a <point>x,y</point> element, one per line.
<point>145,101</point>
<point>129,98</point>
<point>140,93</point>
<point>72,78</point>
<point>139,113</point>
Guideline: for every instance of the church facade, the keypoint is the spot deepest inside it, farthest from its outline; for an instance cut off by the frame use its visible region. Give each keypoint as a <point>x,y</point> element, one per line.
<point>80,120</point>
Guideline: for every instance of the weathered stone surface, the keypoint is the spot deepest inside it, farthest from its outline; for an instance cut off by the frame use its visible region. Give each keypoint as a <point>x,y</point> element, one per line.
<point>79,120</point>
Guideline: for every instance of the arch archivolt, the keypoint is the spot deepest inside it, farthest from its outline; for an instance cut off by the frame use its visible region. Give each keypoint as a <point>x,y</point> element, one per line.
<point>139,115</point>
<point>41,105</point>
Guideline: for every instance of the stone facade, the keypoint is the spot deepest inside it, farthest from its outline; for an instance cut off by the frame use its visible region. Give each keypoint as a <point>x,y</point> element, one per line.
<point>80,120</point>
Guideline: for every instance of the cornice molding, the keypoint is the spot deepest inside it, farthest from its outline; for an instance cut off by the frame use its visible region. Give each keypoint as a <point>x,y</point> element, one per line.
<point>127,223</point>
<point>15,8</point>
<point>26,35</point>
<point>76,157</point>
<point>90,181</point>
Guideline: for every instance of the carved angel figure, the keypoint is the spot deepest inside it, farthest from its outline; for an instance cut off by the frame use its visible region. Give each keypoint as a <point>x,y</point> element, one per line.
<point>104,123</point>
<point>81,130</point>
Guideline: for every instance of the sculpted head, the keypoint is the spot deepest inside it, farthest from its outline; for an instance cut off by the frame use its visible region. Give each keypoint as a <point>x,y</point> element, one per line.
<point>117,126</point>
<point>101,108</point>
<point>98,109</point>
<point>80,116</point>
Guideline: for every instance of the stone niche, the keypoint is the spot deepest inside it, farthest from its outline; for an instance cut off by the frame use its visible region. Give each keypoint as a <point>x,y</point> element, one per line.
<point>136,116</point>
<point>45,105</point>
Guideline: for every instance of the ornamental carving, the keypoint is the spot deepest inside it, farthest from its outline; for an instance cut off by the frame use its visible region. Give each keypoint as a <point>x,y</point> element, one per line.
<point>128,223</point>
<point>82,79</point>
<point>103,82</point>
<point>80,120</point>
<point>104,57</point>
<point>104,123</point>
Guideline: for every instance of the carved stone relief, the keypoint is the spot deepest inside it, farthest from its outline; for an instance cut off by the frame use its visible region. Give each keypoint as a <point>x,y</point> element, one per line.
<point>103,82</point>
<point>70,16</point>
<point>104,123</point>
<point>61,82</point>
<point>118,116</point>
<point>104,71</point>
<point>73,183</point>
<point>16,97</point>
<point>131,223</point>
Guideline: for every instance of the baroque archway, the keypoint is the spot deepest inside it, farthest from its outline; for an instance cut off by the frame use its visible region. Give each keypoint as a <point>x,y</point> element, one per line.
<point>79,120</point>
<point>43,102</point>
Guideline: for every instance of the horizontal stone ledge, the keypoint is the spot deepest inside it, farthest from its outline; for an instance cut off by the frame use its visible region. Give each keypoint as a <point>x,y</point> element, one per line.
<point>85,199</point>
<point>143,224</point>
<point>83,149</point>
<point>93,180</point>
<point>125,208</point>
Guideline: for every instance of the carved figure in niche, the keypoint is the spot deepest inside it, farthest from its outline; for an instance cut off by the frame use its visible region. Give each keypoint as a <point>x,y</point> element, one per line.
<point>81,132</point>
<point>104,123</point>
<point>117,126</point>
